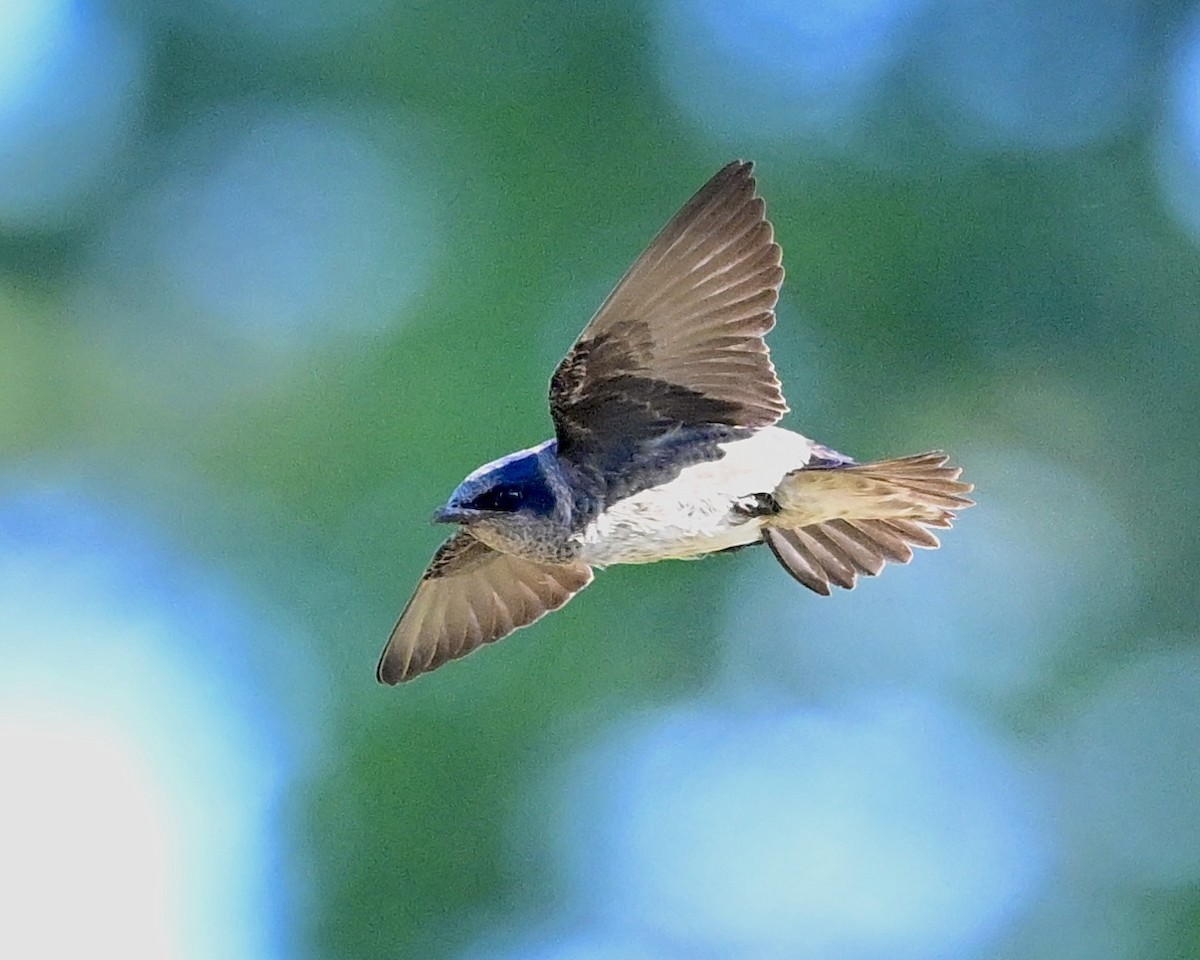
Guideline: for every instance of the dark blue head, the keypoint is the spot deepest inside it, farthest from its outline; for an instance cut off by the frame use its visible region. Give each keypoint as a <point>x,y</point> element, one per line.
<point>515,485</point>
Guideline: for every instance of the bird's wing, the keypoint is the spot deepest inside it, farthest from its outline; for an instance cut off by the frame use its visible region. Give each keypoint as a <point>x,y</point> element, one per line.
<point>471,595</point>
<point>679,343</point>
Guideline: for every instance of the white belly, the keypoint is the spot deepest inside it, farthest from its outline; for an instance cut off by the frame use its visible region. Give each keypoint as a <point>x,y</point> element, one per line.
<point>694,514</point>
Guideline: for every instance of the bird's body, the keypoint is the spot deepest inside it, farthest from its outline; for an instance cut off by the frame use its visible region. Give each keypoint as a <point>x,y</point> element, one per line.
<point>711,506</point>
<point>666,447</point>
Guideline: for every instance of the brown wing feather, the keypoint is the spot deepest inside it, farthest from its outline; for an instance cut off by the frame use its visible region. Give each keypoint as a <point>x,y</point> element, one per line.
<point>471,595</point>
<point>679,342</point>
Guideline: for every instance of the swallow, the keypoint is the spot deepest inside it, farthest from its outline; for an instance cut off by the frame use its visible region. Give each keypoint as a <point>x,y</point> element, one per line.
<point>666,446</point>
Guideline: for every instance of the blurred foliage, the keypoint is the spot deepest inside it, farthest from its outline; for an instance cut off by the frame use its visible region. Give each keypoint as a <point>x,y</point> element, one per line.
<point>1035,301</point>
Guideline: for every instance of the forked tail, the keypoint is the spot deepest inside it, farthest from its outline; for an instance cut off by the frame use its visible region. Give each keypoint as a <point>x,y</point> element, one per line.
<point>836,522</point>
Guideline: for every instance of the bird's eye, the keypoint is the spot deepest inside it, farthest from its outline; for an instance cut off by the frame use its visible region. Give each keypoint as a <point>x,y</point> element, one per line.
<point>502,499</point>
<point>508,497</point>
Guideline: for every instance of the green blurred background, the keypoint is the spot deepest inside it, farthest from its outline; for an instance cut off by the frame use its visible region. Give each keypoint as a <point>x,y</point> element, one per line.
<point>274,277</point>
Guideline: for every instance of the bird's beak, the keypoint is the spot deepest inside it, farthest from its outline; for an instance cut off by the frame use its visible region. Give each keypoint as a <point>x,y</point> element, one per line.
<point>451,514</point>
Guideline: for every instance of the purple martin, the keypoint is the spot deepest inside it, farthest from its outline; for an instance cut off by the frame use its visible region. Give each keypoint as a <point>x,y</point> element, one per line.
<point>666,446</point>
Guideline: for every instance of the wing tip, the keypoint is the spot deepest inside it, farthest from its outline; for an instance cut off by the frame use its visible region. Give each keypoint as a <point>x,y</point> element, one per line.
<point>386,672</point>
<point>393,669</point>
<point>738,166</point>
<point>735,175</point>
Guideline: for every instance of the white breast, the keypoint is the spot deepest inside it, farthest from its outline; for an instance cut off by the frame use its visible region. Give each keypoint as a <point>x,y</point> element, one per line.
<point>693,514</point>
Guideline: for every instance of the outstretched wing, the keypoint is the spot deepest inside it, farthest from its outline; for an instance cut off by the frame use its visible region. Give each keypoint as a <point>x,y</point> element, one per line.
<point>469,596</point>
<point>677,348</point>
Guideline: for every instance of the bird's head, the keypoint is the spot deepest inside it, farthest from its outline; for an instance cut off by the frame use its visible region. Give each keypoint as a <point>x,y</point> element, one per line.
<point>506,498</point>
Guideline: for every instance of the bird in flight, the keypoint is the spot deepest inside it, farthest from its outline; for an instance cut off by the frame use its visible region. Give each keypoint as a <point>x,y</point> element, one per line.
<point>666,446</point>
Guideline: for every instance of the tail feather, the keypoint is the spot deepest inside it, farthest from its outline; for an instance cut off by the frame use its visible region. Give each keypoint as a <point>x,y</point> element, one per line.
<point>914,533</point>
<point>877,537</point>
<point>837,522</point>
<point>798,559</point>
<point>842,538</point>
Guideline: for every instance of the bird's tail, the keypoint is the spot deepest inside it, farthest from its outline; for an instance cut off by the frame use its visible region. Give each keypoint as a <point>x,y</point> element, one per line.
<point>836,522</point>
